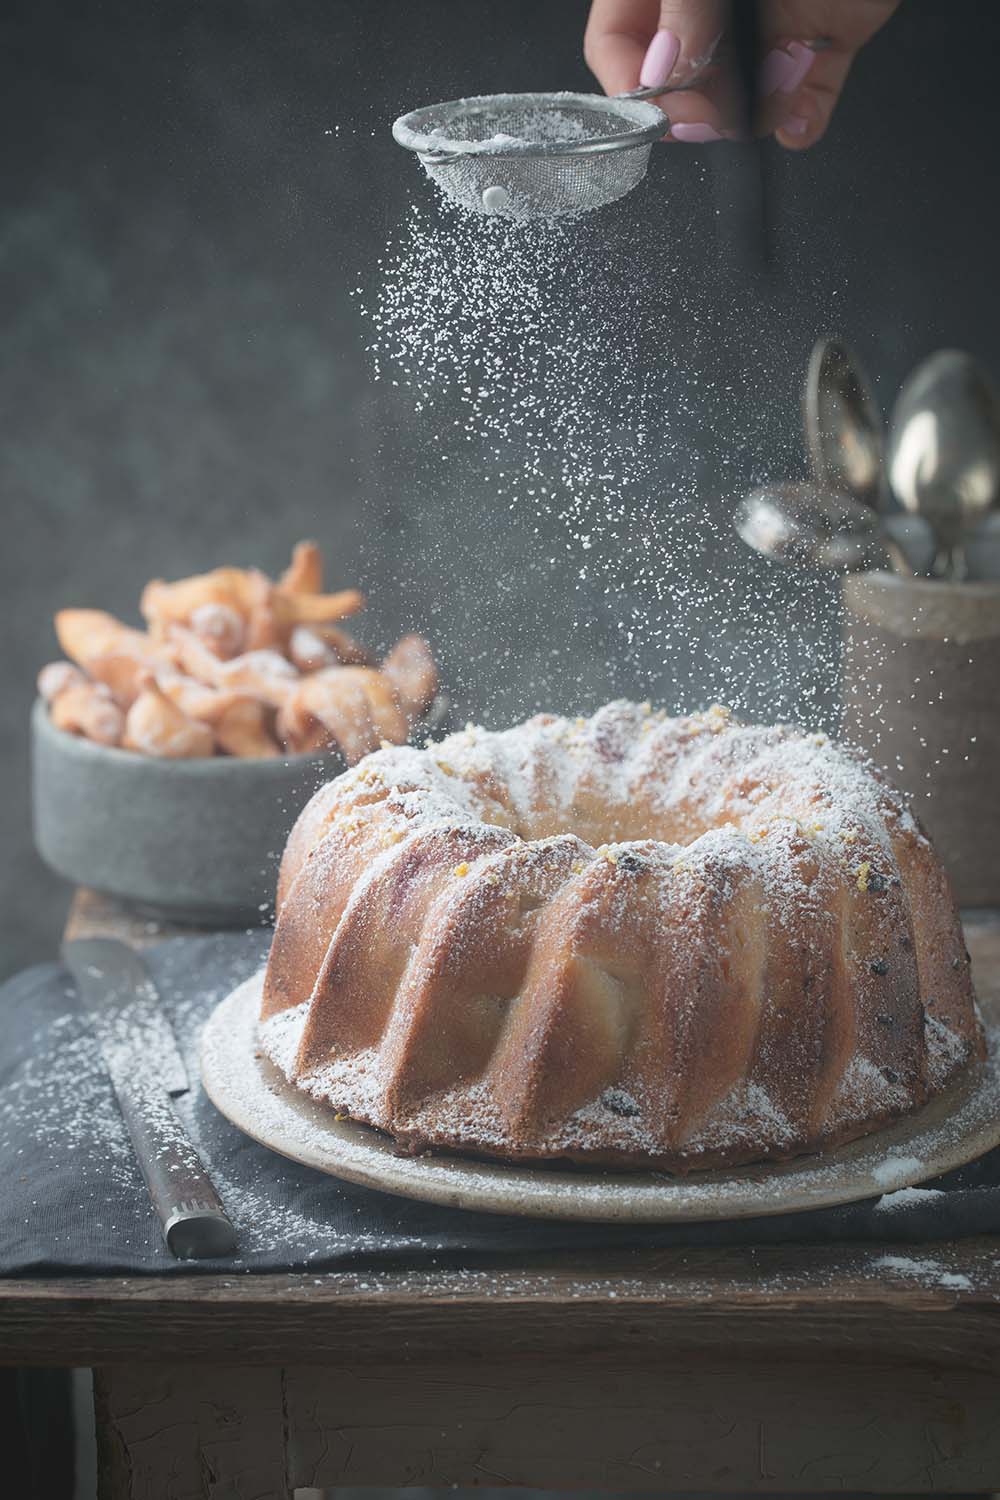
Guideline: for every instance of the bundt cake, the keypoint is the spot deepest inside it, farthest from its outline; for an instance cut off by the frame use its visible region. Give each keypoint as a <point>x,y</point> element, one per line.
<point>625,940</point>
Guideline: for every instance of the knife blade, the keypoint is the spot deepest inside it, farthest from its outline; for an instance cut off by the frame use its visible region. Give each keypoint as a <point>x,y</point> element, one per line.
<point>117,992</point>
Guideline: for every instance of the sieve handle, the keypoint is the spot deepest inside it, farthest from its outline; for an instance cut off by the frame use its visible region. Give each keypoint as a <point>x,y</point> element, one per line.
<point>815,44</point>
<point>657,89</point>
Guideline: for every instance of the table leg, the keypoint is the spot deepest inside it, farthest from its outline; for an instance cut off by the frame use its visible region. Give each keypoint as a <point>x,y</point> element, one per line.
<point>179,1432</point>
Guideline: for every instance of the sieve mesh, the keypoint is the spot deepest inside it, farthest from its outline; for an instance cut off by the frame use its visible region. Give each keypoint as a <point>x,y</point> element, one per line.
<point>531,156</point>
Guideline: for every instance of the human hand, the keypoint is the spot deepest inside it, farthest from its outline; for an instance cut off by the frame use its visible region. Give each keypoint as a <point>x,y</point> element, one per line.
<point>629,43</point>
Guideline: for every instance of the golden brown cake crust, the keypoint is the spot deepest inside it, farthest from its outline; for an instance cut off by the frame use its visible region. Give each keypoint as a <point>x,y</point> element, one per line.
<point>625,940</point>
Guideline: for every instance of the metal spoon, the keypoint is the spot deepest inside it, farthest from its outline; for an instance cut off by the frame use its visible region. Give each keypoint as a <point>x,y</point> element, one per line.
<point>843,423</point>
<point>809,526</point>
<point>944,450</point>
<point>843,432</point>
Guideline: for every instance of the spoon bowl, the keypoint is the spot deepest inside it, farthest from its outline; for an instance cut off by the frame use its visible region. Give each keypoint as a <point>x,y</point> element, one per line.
<point>944,450</point>
<point>843,423</point>
<point>806,525</point>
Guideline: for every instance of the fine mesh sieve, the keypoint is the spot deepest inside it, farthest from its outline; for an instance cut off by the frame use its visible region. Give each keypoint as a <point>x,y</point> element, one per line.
<point>534,156</point>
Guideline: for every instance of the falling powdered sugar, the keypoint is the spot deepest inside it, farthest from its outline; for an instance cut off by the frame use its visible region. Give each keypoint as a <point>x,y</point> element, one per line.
<point>548,363</point>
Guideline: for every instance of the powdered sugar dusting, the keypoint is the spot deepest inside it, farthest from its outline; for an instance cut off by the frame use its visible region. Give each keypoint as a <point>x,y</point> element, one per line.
<point>64,1089</point>
<point>650,851</point>
<point>897,1168</point>
<point>247,1090</point>
<point>907,1198</point>
<point>924,1269</point>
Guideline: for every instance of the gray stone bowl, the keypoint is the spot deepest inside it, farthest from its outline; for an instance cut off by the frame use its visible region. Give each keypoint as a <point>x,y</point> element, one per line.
<point>195,841</point>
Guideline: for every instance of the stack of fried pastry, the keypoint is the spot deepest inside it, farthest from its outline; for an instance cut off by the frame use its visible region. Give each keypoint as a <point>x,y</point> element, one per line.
<point>235,663</point>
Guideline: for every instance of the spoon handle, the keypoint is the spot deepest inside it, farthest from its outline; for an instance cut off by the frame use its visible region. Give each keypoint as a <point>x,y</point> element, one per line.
<point>900,562</point>
<point>958,567</point>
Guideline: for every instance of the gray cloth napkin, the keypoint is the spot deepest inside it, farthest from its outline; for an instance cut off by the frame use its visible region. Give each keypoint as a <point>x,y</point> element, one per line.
<point>75,1202</point>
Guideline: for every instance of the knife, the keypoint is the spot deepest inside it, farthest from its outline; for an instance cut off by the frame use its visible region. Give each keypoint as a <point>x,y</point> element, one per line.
<point>146,1070</point>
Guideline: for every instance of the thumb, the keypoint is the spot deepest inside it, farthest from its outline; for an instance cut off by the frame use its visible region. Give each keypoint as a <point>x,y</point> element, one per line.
<point>847,28</point>
<point>691,29</point>
<point>811,108</point>
<point>649,41</point>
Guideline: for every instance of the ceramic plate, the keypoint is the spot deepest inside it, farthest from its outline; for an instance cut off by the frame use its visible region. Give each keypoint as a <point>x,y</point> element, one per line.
<point>250,1091</point>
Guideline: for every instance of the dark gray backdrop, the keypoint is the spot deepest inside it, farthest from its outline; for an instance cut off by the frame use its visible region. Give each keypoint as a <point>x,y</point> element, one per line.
<point>183,379</point>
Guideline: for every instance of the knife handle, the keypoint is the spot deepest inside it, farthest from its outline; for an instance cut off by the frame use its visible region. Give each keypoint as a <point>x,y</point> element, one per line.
<point>195,1224</point>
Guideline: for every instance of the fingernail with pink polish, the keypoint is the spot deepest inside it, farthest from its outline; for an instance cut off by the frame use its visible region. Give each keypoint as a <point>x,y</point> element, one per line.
<point>695,134</point>
<point>803,58</point>
<point>795,125</point>
<point>658,64</point>
<point>783,70</point>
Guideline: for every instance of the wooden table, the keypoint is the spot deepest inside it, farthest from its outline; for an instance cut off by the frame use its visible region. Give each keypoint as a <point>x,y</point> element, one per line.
<point>779,1369</point>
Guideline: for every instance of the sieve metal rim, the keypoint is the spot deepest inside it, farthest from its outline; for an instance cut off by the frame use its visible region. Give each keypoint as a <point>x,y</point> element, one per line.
<point>407,134</point>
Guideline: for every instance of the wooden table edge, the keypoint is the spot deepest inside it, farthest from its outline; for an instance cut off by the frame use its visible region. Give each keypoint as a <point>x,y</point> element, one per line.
<point>788,1297</point>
